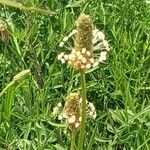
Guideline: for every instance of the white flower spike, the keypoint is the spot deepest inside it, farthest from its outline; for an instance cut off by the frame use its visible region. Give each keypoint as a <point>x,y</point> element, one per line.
<point>83,54</point>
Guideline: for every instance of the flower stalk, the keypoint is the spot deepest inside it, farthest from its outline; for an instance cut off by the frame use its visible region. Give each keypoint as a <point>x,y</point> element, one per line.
<point>88,40</point>
<point>83,122</point>
<point>73,137</point>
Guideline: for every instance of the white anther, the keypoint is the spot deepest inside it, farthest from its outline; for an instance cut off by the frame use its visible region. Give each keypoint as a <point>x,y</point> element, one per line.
<point>59,105</point>
<point>69,62</point>
<point>78,53</point>
<point>72,56</point>
<point>61,44</point>
<point>91,106</point>
<point>91,113</point>
<point>77,125</point>
<point>73,51</point>
<point>100,35</point>
<point>105,44</point>
<point>88,53</point>
<point>83,50</point>
<point>66,57</point>
<point>64,115</point>
<point>80,100</point>
<point>92,60</point>
<point>72,119</point>
<point>82,66</point>
<point>88,66</point>
<point>60,117</point>
<point>80,119</point>
<point>84,60</point>
<point>80,57</point>
<point>95,31</point>
<point>102,58</point>
<point>60,55</point>
<point>72,33</point>
<point>104,53</point>
<point>94,116</point>
<point>62,60</point>
<point>65,38</point>
<point>55,110</point>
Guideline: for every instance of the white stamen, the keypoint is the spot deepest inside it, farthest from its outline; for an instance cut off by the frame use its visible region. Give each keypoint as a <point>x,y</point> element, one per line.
<point>69,62</point>
<point>60,117</point>
<point>98,36</point>
<point>72,56</point>
<point>61,44</point>
<point>95,31</point>
<point>91,106</point>
<point>62,60</point>
<point>92,60</point>
<point>66,57</point>
<point>80,57</point>
<point>80,119</point>
<point>72,33</point>
<point>91,113</point>
<point>77,125</point>
<point>59,105</point>
<point>105,43</point>
<point>88,66</point>
<point>104,53</point>
<point>94,116</point>
<point>65,38</point>
<point>78,53</point>
<point>72,119</point>
<point>80,100</point>
<point>102,58</point>
<point>73,51</point>
<point>60,55</point>
<point>64,115</point>
<point>55,110</point>
<point>88,53</point>
<point>101,35</point>
<point>84,60</point>
<point>83,50</point>
<point>82,66</point>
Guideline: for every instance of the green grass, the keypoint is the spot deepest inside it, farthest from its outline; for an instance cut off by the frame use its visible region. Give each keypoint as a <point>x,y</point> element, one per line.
<point>119,88</point>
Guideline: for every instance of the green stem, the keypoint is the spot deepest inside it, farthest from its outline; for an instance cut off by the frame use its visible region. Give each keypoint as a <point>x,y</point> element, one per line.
<point>83,122</point>
<point>73,136</point>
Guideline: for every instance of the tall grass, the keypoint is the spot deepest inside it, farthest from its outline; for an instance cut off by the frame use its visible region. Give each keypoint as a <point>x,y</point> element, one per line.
<point>120,89</point>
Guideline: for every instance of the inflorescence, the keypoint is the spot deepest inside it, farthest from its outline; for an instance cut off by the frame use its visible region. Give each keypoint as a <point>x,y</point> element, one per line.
<point>87,41</point>
<point>71,112</point>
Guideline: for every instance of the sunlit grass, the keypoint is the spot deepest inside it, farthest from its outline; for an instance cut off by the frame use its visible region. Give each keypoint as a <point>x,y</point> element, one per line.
<point>120,88</point>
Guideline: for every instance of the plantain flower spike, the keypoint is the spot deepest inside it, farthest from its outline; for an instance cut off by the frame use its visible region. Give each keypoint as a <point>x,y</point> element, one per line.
<point>71,112</point>
<point>87,41</point>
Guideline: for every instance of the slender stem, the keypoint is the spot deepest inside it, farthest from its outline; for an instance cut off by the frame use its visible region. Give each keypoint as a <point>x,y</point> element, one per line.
<point>83,122</point>
<point>73,136</point>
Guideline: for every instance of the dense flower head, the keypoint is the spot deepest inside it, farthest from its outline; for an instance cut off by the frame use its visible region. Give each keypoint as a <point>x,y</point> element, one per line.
<point>87,40</point>
<point>4,35</point>
<point>71,112</point>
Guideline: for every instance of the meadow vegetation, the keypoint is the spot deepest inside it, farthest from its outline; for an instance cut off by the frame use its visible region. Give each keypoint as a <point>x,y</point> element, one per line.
<point>119,88</point>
